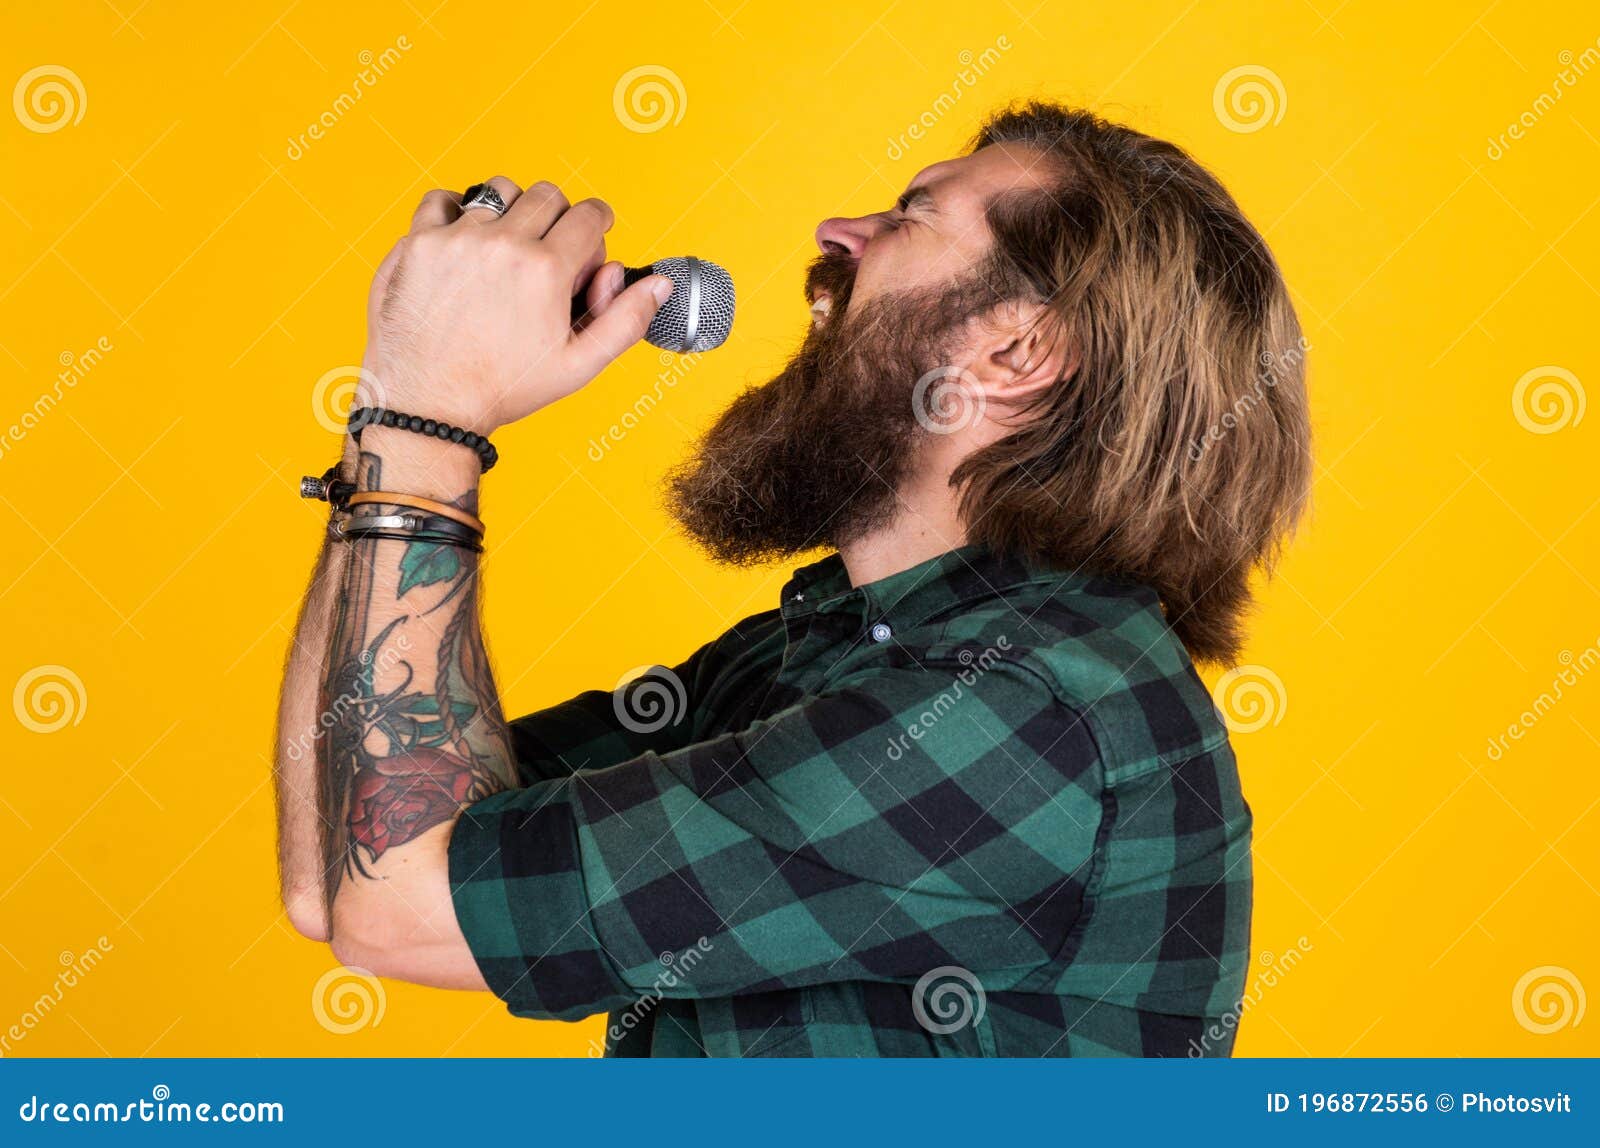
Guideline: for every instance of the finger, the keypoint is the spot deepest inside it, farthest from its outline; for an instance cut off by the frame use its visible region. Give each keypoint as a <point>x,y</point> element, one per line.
<point>580,231</point>
<point>540,206</point>
<point>437,208</point>
<point>604,286</point>
<point>478,216</point>
<point>621,326</point>
<point>584,275</point>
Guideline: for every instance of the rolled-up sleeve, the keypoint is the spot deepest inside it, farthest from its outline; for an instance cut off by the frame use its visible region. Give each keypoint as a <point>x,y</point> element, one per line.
<point>906,820</point>
<point>589,731</point>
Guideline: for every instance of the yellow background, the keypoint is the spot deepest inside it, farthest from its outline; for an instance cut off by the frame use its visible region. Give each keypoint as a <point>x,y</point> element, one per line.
<point>151,541</point>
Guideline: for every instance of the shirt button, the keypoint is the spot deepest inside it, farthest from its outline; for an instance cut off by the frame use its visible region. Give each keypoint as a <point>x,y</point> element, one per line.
<point>881,632</point>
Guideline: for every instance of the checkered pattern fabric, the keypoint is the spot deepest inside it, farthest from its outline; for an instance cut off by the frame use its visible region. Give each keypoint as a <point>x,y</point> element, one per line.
<point>976,808</point>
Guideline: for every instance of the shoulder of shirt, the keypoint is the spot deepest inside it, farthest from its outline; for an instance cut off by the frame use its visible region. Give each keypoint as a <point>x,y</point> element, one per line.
<point>758,633</point>
<point>1103,649</point>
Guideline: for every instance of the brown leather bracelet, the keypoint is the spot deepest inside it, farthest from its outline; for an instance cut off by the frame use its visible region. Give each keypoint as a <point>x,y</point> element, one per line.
<point>417,502</point>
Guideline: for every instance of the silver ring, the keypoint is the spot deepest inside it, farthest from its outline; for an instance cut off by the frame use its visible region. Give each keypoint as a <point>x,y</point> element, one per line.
<point>482,195</point>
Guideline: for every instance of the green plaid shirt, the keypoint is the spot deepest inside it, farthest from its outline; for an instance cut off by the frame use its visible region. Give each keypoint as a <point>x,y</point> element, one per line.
<point>976,808</point>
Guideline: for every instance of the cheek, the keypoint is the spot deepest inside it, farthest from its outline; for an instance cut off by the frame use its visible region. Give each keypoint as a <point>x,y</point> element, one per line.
<point>890,264</point>
<point>911,258</point>
<point>870,272</point>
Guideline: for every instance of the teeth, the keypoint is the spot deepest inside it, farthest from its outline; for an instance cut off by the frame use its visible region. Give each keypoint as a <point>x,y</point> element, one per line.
<point>821,308</point>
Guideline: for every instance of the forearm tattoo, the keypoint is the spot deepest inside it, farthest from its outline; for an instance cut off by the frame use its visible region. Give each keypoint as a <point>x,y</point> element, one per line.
<point>417,731</point>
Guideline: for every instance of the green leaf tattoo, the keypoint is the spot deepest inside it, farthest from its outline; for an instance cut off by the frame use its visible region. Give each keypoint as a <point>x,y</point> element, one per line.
<point>425,563</point>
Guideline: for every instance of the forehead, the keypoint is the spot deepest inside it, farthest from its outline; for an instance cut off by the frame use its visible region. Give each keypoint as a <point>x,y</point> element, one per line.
<point>969,182</point>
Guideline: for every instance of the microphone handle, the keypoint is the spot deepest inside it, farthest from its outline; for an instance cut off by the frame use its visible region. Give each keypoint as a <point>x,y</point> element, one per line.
<point>630,276</point>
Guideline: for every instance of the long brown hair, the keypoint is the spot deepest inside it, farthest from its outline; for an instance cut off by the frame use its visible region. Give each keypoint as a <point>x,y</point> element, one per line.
<point>1178,454</point>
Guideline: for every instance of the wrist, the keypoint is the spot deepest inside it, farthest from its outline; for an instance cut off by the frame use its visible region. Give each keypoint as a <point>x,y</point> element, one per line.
<point>398,389</point>
<point>404,462</point>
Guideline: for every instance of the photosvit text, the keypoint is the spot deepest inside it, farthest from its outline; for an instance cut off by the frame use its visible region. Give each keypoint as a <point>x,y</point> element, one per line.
<point>1481,1103</point>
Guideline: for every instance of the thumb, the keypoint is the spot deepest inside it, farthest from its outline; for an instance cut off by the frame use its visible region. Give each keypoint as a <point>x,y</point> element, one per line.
<point>619,326</point>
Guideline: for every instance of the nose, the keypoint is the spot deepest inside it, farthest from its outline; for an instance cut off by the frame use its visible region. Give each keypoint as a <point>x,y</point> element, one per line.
<point>847,236</point>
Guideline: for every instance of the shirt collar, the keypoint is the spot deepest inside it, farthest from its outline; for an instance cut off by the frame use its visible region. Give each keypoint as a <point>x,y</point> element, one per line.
<point>911,596</point>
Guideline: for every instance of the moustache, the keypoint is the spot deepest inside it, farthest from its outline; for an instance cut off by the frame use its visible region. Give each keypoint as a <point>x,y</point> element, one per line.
<point>832,273</point>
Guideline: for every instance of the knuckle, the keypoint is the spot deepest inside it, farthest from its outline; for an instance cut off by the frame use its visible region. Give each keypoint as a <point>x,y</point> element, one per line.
<point>550,191</point>
<point>537,260</point>
<point>424,245</point>
<point>598,208</point>
<point>497,244</point>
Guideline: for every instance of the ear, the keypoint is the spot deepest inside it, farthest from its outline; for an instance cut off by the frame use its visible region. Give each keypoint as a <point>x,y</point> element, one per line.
<point>1022,350</point>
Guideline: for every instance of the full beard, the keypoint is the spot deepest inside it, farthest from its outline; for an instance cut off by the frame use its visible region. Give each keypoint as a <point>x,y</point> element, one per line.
<point>815,457</point>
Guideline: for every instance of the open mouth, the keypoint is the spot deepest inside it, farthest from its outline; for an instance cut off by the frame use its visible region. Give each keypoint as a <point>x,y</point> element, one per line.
<point>821,308</point>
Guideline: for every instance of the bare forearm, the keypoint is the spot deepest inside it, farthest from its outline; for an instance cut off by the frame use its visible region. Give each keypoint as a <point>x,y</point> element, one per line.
<point>301,740</point>
<point>425,735</point>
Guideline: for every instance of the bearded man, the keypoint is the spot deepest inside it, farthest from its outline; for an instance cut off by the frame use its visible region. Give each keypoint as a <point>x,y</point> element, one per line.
<point>961,792</point>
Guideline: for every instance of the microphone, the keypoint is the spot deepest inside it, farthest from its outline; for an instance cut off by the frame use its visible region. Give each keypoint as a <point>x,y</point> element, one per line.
<point>696,317</point>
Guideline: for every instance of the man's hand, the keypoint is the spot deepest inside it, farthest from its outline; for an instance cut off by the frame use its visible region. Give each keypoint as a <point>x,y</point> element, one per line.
<point>471,315</point>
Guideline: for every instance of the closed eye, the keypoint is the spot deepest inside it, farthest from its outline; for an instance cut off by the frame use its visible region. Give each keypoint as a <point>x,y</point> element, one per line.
<point>913,197</point>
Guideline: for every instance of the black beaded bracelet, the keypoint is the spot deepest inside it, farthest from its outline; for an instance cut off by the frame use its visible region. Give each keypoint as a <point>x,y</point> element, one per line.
<point>363,417</point>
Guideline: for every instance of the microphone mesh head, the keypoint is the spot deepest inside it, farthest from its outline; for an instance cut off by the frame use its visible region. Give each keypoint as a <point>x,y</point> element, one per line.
<point>699,313</point>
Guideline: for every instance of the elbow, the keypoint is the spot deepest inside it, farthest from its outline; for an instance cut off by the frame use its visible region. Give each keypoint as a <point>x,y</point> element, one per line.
<point>355,947</point>
<point>357,940</point>
<point>354,951</point>
<point>350,942</point>
<point>307,913</point>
